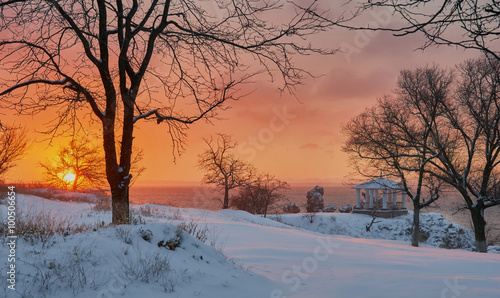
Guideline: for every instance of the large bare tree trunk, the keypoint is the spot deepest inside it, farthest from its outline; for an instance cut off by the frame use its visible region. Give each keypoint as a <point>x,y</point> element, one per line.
<point>117,40</point>
<point>226,198</point>
<point>265,208</point>
<point>416,223</point>
<point>479,228</point>
<point>120,204</point>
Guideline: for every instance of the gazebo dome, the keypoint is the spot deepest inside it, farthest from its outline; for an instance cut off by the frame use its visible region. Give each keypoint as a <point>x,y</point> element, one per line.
<point>380,183</point>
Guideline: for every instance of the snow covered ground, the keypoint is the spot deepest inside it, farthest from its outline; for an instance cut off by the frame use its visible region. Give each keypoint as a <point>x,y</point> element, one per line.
<point>435,229</point>
<point>260,258</point>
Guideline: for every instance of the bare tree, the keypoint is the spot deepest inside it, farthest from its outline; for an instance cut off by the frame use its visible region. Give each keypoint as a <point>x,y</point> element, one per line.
<point>374,221</point>
<point>222,168</point>
<point>461,148</point>
<point>78,165</point>
<point>270,188</point>
<point>469,24</point>
<point>394,137</point>
<point>262,192</point>
<point>13,146</point>
<point>471,166</point>
<point>173,62</point>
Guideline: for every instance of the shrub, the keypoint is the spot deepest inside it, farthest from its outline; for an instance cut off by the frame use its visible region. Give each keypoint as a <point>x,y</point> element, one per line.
<point>124,234</point>
<point>146,234</point>
<point>146,268</point>
<point>262,193</point>
<point>330,208</point>
<point>75,269</point>
<point>291,208</point>
<point>210,236</point>
<point>172,243</point>
<point>277,217</point>
<point>36,227</point>
<point>249,199</point>
<point>177,215</point>
<point>135,218</point>
<point>309,216</point>
<point>193,228</point>
<point>51,193</point>
<point>345,209</point>
<point>3,191</point>
<point>147,211</point>
<point>103,205</point>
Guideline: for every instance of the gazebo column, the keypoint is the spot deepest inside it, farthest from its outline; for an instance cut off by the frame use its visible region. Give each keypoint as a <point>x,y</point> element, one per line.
<point>370,191</point>
<point>404,199</point>
<point>395,198</point>
<point>358,205</point>
<point>384,201</point>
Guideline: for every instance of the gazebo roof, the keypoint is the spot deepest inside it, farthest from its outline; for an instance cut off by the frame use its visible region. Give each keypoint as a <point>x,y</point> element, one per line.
<point>380,183</point>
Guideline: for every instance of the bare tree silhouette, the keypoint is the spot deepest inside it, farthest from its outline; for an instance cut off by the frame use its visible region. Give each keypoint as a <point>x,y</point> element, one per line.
<point>222,168</point>
<point>173,62</point>
<point>13,146</point>
<point>261,192</point>
<point>395,136</point>
<point>462,147</point>
<point>468,24</point>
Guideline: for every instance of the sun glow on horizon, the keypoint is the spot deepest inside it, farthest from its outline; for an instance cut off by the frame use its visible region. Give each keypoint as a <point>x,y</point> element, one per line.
<point>69,177</point>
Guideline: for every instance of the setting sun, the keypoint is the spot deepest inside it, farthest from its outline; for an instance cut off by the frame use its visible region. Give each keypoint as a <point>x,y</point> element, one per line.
<point>69,177</point>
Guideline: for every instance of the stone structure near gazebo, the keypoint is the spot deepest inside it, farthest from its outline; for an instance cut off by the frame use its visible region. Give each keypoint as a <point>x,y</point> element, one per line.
<point>388,190</point>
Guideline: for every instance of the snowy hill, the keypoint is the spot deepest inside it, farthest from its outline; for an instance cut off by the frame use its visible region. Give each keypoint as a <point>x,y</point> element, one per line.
<point>435,229</point>
<point>260,258</point>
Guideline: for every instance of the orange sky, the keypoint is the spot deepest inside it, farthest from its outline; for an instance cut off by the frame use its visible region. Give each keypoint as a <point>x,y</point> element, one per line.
<point>298,140</point>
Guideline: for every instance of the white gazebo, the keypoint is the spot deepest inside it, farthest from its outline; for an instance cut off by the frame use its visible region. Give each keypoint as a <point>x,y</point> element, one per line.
<point>384,190</point>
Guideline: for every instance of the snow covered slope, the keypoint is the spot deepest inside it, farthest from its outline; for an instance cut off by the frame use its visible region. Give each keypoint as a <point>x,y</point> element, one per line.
<point>435,229</point>
<point>266,259</point>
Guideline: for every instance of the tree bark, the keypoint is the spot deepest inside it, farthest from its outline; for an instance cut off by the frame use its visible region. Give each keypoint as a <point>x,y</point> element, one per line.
<point>479,227</point>
<point>265,208</point>
<point>226,198</point>
<point>416,223</point>
<point>120,205</point>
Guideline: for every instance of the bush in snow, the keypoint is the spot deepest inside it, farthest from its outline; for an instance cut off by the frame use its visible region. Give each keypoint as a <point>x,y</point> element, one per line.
<point>211,236</point>
<point>3,192</point>
<point>494,249</point>
<point>437,231</point>
<point>147,211</point>
<point>74,268</point>
<point>309,216</point>
<point>454,238</point>
<point>330,208</point>
<point>195,229</point>
<point>315,199</point>
<point>146,234</point>
<point>123,233</point>
<point>173,242</point>
<point>40,227</point>
<point>249,200</point>
<point>102,205</point>
<point>135,218</point>
<point>345,209</point>
<point>291,208</point>
<point>146,268</point>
